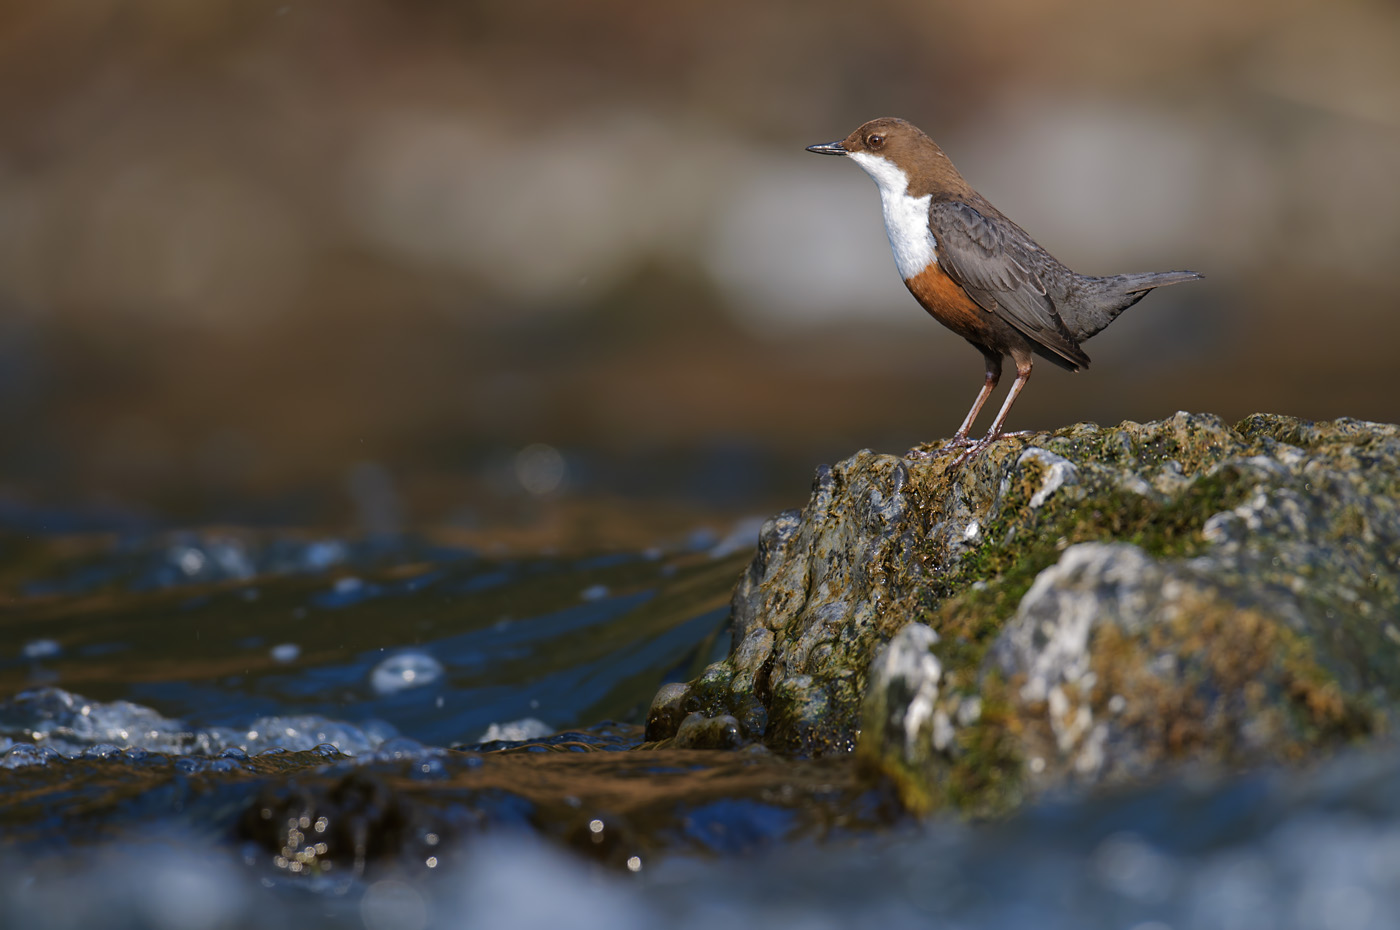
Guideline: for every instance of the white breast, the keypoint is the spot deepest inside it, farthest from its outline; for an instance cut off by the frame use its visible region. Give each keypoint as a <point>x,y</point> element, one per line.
<point>906,217</point>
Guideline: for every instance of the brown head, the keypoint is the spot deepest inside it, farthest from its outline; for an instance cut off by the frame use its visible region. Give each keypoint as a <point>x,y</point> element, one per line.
<point>885,142</point>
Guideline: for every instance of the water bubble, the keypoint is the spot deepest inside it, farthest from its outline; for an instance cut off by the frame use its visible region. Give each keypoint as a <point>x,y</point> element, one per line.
<point>286,652</point>
<point>403,671</point>
<point>189,560</point>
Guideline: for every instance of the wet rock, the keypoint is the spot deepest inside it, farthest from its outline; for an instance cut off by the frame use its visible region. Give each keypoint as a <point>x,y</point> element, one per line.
<point>1085,607</point>
<point>700,732</point>
<point>667,710</point>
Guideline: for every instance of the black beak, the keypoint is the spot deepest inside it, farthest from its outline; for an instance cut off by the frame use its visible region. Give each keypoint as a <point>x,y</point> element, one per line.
<point>829,148</point>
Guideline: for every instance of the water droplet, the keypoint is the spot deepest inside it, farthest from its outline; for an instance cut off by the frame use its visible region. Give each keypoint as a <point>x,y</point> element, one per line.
<point>403,671</point>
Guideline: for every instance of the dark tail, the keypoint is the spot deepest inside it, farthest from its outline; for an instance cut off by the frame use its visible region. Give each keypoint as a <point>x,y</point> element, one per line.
<point>1105,298</point>
<point>1142,283</point>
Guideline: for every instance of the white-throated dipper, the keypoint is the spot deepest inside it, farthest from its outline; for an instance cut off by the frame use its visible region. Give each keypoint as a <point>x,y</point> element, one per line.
<point>978,273</point>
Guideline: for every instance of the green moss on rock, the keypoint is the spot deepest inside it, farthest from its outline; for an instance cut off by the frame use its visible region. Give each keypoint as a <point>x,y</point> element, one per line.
<point>1110,601</point>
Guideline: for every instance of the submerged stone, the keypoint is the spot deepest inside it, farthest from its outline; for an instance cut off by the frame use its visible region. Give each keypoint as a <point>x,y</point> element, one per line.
<point>700,732</point>
<point>344,826</point>
<point>1084,607</point>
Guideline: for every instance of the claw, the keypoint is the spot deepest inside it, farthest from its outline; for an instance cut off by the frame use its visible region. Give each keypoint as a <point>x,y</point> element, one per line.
<point>974,449</point>
<point>925,455</point>
<point>981,445</point>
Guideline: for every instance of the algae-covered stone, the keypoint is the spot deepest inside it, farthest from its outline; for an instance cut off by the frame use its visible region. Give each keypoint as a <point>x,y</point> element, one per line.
<point>807,613</point>
<point>1094,605</point>
<point>700,732</point>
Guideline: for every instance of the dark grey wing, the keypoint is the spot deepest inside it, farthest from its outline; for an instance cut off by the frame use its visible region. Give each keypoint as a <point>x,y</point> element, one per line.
<point>997,265</point>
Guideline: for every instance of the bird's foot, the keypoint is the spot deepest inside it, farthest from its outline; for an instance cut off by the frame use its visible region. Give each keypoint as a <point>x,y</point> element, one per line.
<point>921,454</point>
<point>977,447</point>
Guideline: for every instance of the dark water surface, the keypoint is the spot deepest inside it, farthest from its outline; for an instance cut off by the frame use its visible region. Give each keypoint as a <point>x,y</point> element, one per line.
<point>223,729</point>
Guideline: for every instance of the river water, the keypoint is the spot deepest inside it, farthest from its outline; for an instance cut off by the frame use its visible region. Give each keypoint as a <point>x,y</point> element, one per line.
<point>227,729</point>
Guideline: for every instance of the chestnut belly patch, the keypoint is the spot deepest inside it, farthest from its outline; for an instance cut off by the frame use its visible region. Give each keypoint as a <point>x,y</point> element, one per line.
<point>948,303</point>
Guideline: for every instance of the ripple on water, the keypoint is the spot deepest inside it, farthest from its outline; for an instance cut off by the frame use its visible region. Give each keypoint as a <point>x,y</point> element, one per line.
<point>71,725</point>
<point>162,561</point>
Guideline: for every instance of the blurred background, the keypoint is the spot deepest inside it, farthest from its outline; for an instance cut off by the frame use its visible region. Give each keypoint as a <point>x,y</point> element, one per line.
<point>565,268</point>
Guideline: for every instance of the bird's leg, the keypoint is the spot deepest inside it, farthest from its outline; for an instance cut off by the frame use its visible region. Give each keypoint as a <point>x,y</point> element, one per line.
<point>960,437</point>
<point>993,376</point>
<point>1023,374</point>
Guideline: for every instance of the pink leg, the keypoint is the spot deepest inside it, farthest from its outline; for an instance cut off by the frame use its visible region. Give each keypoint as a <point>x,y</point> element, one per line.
<point>993,376</point>
<point>960,437</point>
<point>1023,374</point>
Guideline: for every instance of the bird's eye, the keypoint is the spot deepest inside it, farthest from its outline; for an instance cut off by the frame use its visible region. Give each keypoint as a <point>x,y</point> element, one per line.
<point>875,141</point>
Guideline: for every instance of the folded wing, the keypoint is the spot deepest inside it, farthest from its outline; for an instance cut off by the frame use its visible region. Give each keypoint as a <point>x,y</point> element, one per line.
<point>997,265</point>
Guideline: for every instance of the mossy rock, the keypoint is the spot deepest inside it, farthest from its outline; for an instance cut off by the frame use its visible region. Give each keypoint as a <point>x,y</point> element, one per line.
<point>1099,604</point>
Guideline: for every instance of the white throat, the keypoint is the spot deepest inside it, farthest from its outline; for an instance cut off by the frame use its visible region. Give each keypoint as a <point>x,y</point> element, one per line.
<point>906,218</point>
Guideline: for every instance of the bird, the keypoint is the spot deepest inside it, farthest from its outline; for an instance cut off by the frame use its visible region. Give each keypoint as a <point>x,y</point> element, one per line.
<point>977,272</point>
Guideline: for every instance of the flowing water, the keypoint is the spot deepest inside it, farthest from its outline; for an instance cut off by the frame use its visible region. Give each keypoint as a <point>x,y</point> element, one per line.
<point>222,729</point>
